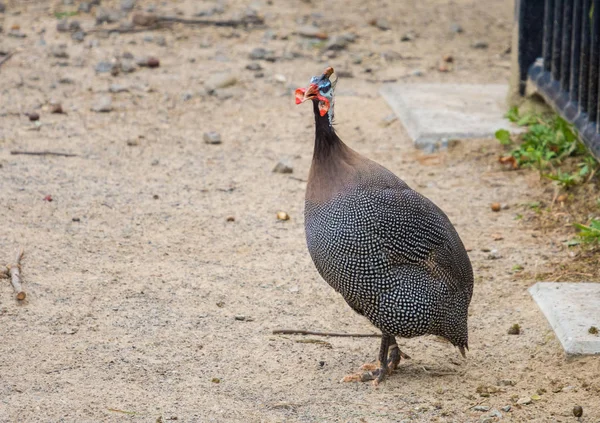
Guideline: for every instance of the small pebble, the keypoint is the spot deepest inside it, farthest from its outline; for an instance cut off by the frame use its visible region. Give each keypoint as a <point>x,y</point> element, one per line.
<point>506,408</point>
<point>311,31</point>
<point>117,88</point>
<point>480,44</point>
<point>33,116</point>
<point>85,7</point>
<point>76,219</point>
<point>215,380</point>
<point>494,255</point>
<point>496,207</point>
<point>417,72</point>
<point>230,219</point>
<point>153,62</point>
<point>481,408</point>
<point>382,24</point>
<point>74,26</point>
<point>281,215</point>
<point>279,78</point>
<point>260,53</point>
<point>456,28</point>
<point>78,36</point>
<point>59,51</point>
<point>219,80</point>
<point>102,104</point>
<point>212,137</point>
<point>283,167</point>
<point>104,67</point>
<point>56,108</point>
<point>127,5</point>
<point>524,401</point>
<point>240,317</point>
<point>62,25</point>
<point>578,411</point>
<point>337,43</point>
<point>408,36</point>
<point>254,66</point>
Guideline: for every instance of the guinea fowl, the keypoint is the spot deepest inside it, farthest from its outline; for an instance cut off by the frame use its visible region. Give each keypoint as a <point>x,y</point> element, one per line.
<point>390,252</point>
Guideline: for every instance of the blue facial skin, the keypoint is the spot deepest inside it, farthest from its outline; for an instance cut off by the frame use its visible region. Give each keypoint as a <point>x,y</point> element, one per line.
<point>324,85</point>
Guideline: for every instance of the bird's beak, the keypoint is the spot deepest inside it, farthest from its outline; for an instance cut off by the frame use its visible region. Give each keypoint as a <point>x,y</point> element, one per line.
<point>303,94</point>
<point>311,93</point>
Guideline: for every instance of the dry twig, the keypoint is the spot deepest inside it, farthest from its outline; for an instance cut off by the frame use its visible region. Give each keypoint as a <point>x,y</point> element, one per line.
<point>43,153</point>
<point>309,332</point>
<point>15,276</point>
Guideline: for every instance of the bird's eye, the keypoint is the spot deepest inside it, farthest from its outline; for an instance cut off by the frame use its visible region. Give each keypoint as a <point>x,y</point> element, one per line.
<point>325,87</point>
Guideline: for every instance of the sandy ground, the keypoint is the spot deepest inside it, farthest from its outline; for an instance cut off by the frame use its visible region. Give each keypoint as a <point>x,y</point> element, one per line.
<point>135,276</point>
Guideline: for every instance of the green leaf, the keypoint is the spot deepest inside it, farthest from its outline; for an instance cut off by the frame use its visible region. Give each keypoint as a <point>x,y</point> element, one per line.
<point>503,136</point>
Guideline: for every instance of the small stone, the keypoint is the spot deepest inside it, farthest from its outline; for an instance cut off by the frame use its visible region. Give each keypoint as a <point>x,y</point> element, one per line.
<point>33,116</point>
<point>281,215</point>
<point>219,80</point>
<point>56,108</point>
<point>104,15</point>
<point>144,20</point>
<point>59,51</point>
<point>409,36</point>
<point>85,7</point>
<point>78,36</point>
<point>133,142</point>
<point>104,67</point>
<point>16,33</point>
<point>260,53</point>
<point>507,382</point>
<point>480,44</point>
<point>456,28</point>
<point>62,25</point>
<point>279,78</point>
<point>102,104</point>
<point>212,137</point>
<point>127,5</point>
<point>496,207</point>
<point>494,255</point>
<point>74,26</point>
<point>311,31</point>
<point>283,167</point>
<point>254,66</point>
<point>127,66</point>
<point>187,96</point>
<point>76,219</point>
<point>240,317</point>
<point>578,411</point>
<point>506,408</point>
<point>215,380</point>
<point>388,120</point>
<point>495,413</point>
<point>117,88</point>
<point>153,62</point>
<point>382,24</point>
<point>416,72</point>
<point>487,420</point>
<point>481,408</point>
<point>230,219</point>
<point>337,43</point>
<point>524,401</point>
<point>514,329</point>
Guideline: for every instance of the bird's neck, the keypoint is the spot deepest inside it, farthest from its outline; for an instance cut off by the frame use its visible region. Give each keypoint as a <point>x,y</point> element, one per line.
<point>327,143</point>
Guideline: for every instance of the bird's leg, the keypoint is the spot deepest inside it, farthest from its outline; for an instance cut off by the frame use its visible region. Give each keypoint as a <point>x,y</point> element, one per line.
<point>395,354</point>
<point>378,371</point>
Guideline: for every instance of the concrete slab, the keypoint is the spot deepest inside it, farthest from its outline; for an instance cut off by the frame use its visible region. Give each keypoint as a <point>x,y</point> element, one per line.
<point>434,114</point>
<point>571,309</point>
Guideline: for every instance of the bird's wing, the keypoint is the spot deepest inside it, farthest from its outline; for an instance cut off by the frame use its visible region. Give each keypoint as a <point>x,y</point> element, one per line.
<point>412,229</point>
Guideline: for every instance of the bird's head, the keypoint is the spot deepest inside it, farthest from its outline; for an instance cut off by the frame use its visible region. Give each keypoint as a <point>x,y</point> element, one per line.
<point>319,90</point>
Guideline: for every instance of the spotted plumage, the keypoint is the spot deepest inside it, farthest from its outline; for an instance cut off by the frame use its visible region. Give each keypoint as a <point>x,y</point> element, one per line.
<point>390,252</point>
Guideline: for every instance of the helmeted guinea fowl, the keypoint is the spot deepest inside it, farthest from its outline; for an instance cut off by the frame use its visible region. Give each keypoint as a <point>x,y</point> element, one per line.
<point>390,252</point>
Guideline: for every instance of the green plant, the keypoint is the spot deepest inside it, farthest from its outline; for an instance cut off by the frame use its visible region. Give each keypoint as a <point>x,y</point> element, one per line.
<point>591,233</point>
<point>61,15</point>
<point>548,141</point>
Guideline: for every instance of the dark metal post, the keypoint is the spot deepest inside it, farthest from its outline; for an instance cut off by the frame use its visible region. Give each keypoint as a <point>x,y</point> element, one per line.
<point>548,20</point>
<point>594,45</point>
<point>557,39</point>
<point>575,51</point>
<point>584,63</point>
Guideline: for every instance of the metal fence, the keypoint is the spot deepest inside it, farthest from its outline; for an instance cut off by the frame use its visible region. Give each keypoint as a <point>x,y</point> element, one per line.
<point>559,52</point>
